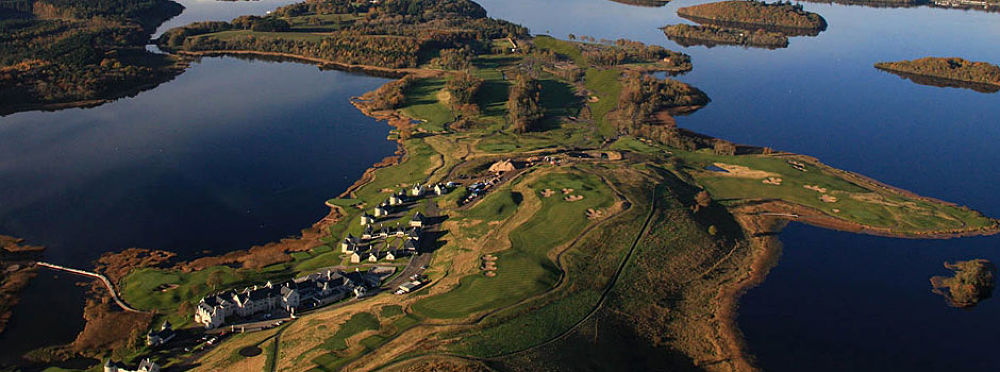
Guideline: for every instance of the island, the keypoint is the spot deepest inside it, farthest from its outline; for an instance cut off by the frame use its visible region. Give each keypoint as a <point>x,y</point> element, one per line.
<point>687,35</point>
<point>753,15</point>
<point>544,211</point>
<point>69,53</point>
<point>973,282</point>
<point>948,72</point>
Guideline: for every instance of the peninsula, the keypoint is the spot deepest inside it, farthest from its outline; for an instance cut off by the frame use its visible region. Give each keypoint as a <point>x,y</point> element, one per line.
<point>544,212</point>
<point>69,53</point>
<point>952,71</point>
<point>688,35</point>
<point>753,15</point>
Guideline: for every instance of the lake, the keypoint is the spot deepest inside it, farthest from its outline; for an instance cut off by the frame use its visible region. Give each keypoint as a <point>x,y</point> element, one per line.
<point>839,301</point>
<point>231,153</point>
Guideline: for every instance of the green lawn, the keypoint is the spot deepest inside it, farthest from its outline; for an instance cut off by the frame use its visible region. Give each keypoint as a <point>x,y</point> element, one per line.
<point>564,48</point>
<point>422,103</point>
<point>605,86</point>
<point>525,270</point>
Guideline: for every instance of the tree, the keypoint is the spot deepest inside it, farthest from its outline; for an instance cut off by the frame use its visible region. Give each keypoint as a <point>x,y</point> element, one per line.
<point>523,107</point>
<point>463,88</point>
<point>214,279</point>
<point>702,200</point>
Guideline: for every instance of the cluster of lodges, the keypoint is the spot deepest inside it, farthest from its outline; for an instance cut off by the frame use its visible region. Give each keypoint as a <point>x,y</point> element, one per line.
<point>310,291</point>
<point>366,248</point>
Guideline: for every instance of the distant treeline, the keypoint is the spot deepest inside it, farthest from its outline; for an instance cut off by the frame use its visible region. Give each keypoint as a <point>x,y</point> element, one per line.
<point>955,69</point>
<point>394,34</point>
<point>688,35</point>
<point>755,15</point>
<point>79,50</point>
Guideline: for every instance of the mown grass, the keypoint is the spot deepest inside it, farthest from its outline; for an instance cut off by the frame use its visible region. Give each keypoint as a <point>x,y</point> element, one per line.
<point>605,86</point>
<point>530,328</point>
<point>855,203</point>
<point>391,311</point>
<point>525,269</point>
<point>422,103</point>
<point>561,47</point>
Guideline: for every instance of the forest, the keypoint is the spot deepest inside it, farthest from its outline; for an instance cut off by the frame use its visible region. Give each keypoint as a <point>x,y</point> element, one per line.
<point>79,50</point>
<point>688,35</point>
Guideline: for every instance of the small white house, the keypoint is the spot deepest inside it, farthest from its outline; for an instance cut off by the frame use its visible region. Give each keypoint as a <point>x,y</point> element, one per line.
<point>417,190</point>
<point>355,257</point>
<point>396,199</point>
<point>381,211</point>
<point>367,219</point>
<point>440,189</point>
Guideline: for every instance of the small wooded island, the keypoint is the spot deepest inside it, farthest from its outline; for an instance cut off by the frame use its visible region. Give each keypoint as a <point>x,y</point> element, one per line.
<point>973,282</point>
<point>687,35</point>
<point>950,71</point>
<point>753,15</point>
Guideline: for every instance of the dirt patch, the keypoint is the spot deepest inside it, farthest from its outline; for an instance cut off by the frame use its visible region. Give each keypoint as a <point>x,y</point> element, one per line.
<point>573,198</point>
<point>828,198</point>
<point>547,193</point>
<point>772,181</point>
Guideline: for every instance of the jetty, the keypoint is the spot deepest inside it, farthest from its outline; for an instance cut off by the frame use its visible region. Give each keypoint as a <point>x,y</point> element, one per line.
<point>104,279</point>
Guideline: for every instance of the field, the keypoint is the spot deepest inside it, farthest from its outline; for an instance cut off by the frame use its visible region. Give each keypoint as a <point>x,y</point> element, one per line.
<point>422,101</point>
<point>525,269</point>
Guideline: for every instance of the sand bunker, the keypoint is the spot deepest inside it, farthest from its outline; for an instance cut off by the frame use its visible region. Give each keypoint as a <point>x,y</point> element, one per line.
<point>815,188</point>
<point>799,166</point>
<point>743,172</point>
<point>828,198</point>
<point>772,181</point>
<point>595,214</point>
<point>567,191</point>
<point>547,193</point>
<point>573,198</point>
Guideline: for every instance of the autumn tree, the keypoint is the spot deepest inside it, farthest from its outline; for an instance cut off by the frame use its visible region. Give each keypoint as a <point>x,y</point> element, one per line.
<point>702,200</point>
<point>523,105</point>
<point>463,88</point>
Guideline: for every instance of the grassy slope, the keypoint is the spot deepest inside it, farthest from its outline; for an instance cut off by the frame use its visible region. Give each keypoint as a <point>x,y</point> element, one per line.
<point>525,269</point>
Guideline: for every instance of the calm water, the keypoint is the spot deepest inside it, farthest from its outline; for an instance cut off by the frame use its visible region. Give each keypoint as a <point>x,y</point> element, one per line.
<point>231,153</point>
<point>840,301</point>
<point>216,10</point>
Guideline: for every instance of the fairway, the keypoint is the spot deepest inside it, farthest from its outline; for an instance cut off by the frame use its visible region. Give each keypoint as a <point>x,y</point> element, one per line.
<point>525,269</point>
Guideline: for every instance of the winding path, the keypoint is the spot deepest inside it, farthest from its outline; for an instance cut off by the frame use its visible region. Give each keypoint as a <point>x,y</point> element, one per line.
<point>104,279</point>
